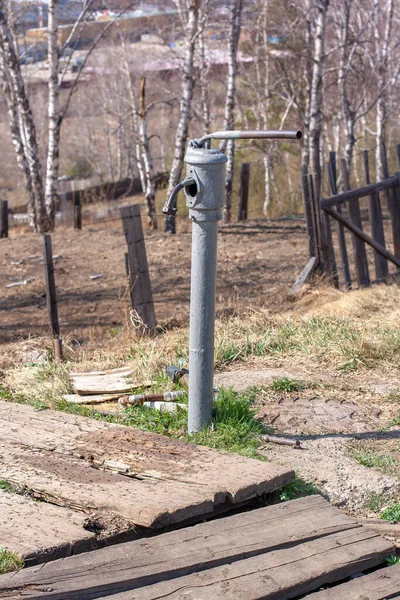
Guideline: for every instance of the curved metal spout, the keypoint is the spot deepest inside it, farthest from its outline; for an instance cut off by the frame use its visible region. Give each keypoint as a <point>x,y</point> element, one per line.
<point>169,208</point>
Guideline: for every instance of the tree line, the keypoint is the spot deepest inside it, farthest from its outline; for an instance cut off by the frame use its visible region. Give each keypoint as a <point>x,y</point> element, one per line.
<point>328,67</point>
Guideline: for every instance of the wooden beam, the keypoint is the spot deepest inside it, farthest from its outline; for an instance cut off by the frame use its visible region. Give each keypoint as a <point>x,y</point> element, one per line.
<point>140,286</point>
<point>376,222</point>
<point>305,274</point>
<point>51,296</point>
<point>360,253</point>
<point>361,234</point>
<point>307,212</point>
<point>244,192</point>
<point>351,195</point>
<point>344,257</point>
<point>4,219</point>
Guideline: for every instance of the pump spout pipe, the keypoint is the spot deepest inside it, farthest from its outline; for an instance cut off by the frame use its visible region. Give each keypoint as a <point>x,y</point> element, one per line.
<point>280,134</point>
<point>169,207</point>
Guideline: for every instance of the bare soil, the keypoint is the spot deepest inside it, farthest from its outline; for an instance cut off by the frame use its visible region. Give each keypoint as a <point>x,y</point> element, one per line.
<point>257,263</point>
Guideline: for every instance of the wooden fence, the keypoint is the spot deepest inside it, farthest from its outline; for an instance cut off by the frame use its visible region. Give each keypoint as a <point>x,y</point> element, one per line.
<point>344,212</point>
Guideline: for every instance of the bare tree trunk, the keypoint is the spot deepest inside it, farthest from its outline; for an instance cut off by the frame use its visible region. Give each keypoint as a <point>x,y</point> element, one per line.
<point>316,98</point>
<point>22,125</point>
<point>383,51</point>
<point>203,69</point>
<point>54,127</point>
<point>229,146</point>
<point>150,193</point>
<point>185,106</point>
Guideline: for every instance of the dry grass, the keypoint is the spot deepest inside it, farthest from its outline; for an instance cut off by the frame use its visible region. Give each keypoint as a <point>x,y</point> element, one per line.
<point>326,330</point>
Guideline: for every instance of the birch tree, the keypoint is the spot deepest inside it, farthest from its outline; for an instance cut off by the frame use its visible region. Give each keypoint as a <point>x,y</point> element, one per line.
<point>190,21</point>
<point>320,8</point>
<point>228,146</point>
<point>41,197</point>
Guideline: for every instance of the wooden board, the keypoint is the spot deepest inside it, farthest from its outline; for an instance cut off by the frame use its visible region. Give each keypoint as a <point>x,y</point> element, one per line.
<point>276,552</point>
<point>114,381</point>
<point>128,476</point>
<point>380,585</point>
<point>39,532</point>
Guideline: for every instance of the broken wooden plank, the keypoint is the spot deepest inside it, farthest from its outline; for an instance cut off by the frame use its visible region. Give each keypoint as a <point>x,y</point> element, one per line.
<point>40,532</point>
<point>92,399</point>
<point>160,481</point>
<point>272,552</point>
<point>104,382</point>
<point>380,585</point>
<point>305,274</point>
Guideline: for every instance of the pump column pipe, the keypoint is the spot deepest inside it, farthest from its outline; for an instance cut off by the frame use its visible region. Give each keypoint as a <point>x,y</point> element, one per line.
<point>205,195</point>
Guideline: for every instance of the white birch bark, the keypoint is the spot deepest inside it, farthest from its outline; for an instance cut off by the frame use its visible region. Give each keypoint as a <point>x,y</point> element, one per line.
<point>229,146</point>
<point>22,125</point>
<point>316,96</point>
<point>185,105</point>
<point>150,193</point>
<point>54,116</point>
<point>204,67</point>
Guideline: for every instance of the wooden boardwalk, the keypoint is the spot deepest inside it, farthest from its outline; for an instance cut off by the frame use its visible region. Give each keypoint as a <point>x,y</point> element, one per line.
<point>112,483</point>
<point>273,553</point>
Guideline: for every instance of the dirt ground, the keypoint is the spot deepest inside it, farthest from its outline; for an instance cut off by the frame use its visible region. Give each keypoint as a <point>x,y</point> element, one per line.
<point>257,263</point>
<point>344,418</point>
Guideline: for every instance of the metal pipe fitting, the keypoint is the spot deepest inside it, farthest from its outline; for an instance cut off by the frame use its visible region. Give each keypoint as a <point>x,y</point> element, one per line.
<point>169,208</point>
<point>280,134</point>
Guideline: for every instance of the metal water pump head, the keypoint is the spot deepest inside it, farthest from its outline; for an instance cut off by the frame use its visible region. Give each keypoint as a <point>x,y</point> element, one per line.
<point>205,193</point>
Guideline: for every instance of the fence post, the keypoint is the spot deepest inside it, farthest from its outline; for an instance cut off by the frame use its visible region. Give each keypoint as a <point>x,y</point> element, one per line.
<point>140,286</point>
<point>398,155</point>
<point>376,222</point>
<point>244,192</point>
<point>344,257</point>
<point>360,253</point>
<point>77,212</point>
<point>4,219</point>
<point>51,296</point>
<point>305,190</point>
<point>396,218</point>
<point>126,264</point>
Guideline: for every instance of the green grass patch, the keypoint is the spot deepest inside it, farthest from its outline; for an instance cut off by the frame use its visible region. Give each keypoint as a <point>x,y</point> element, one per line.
<point>376,502</point>
<point>297,489</point>
<point>393,560</point>
<point>284,384</point>
<point>9,561</point>
<point>375,460</point>
<point>234,427</point>
<point>391,514</point>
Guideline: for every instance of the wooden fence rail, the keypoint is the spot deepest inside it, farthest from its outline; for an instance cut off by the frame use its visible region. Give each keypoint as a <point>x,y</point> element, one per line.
<point>344,209</point>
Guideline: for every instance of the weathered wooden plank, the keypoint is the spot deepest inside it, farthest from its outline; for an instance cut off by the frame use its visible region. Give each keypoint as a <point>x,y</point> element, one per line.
<point>117,381</point>
<point>276,552</point>
<point>350,195</point>
<point>307,211</point>
<point>360,253</point>
<point>305,274</point>
<point>339,227</point>
<point>141,293</point>
<point>40,532</point>
<point>263,540</point>
<point>380,585</point>
<point>362,235</point>
<point>376,222</point>
<point>145,479</point>
<point>91,399</point>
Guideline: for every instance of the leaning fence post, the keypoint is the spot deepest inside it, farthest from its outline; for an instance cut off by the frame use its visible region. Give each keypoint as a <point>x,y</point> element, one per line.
<point>4,219</point>
<point>360,253</point>
<point>51,296</point>
<point>140,286</point>
<point>305,190</point>
<point>244,192</point>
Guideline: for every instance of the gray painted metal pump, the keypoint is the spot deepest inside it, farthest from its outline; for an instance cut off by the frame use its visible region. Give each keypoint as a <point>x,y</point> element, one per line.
<point>204,187</point>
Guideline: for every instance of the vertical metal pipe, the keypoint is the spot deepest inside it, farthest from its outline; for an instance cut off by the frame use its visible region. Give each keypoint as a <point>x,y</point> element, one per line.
<point>205,199</point>
<point>202,317</point>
